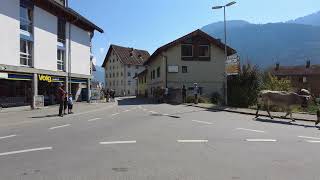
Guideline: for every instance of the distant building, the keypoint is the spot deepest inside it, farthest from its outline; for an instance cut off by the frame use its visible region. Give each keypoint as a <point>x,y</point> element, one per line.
<point>43,43</point>
<point>121,65</point>
<point>304,76</point>
<point>194,58</point>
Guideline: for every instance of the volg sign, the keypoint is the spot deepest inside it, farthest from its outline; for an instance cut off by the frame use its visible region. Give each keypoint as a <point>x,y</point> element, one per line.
<point>45,78</point>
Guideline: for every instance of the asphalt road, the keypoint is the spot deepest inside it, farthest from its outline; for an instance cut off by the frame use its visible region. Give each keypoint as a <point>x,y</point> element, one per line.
<point>135,140</point>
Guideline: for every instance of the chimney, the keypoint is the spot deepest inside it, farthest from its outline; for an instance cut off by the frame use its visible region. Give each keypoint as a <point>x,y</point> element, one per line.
<point>308,64</point>
<point>277,66</point>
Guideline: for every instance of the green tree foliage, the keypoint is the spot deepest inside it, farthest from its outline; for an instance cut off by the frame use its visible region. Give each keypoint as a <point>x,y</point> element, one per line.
<point>271,82</point>
<point>244,87</point>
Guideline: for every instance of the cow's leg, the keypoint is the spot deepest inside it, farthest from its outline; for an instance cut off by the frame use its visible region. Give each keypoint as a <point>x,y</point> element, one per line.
<point>293,120</point>
<point>268,110</point>
<point>258,108</point>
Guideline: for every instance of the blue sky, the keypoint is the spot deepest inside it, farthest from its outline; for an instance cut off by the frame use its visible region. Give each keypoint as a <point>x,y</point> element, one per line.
<point>149,24</point>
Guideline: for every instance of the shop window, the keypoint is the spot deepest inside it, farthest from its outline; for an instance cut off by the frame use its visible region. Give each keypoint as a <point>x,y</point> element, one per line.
<point>26,19</point>
<point>186,50</point>
<point>60,59</point>
<point>204,51</point>
<point>129,83</point>
<point>184,69</point>
<point>25,52</point>
<point>129,74</point>
<point>128,92</point>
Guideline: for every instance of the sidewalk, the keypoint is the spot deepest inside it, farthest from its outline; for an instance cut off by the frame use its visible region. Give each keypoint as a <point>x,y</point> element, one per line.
<point>12,116</point>
<point>296,116</point>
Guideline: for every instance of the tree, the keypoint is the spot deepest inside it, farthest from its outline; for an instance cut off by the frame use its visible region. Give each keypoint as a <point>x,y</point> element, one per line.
<point>243,88</point>
<point>273,83</point>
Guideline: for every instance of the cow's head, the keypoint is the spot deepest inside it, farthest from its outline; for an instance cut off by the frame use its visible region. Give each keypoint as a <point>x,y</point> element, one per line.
<point>305,101</point>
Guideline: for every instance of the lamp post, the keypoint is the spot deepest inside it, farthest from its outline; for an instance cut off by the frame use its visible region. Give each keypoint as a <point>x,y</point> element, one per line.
<point>225,44</point>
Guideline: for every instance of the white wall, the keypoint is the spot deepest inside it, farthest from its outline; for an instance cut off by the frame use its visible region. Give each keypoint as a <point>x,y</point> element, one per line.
<point>45,40</point>
<point>10,32</point>
<point>80,51</point>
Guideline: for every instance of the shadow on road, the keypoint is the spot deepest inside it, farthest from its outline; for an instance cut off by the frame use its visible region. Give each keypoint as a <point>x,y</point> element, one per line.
<point>285,123</point>
<point>134,101</point>
<point>45,116</point>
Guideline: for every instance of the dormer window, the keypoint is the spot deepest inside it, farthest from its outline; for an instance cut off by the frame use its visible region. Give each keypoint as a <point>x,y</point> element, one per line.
<point>186,50</point>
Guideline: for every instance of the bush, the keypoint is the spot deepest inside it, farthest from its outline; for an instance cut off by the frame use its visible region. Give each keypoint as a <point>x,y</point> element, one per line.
<point>216,98</point>
<point>270,82</point>
<point>243,88</point>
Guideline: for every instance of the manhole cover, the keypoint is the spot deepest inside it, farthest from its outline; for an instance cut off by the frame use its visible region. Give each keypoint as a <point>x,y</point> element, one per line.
<point>120,169</point>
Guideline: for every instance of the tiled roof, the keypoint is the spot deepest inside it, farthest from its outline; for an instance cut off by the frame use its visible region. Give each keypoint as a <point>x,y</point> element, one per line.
<point>128,55</point>
<point>199,32</point>
<point>296,70</point>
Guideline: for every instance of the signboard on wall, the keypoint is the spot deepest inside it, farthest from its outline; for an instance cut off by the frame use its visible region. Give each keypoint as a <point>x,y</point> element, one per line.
<point>173,69</point>
<point>3,75</point>
<point>233,65</point>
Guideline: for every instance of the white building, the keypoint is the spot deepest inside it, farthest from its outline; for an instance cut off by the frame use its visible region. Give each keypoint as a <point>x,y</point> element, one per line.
<point>43,42</point>
<point>121,65</point>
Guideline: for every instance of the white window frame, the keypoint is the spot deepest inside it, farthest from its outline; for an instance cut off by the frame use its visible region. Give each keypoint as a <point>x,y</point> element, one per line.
<point>191,49</point>
<point>61,59</point>
<point>208,50</point>
<point>27,22</point>
<point>27,55</point>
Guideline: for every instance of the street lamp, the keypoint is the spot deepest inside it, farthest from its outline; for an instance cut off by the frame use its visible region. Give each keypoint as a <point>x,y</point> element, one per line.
<point>225,44</point>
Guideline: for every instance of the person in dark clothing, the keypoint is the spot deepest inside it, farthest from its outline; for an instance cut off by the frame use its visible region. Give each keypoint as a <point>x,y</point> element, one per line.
<point>61,94</point>
<point>184,94</point>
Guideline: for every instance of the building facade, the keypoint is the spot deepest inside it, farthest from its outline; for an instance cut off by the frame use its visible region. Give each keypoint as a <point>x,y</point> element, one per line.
<point>301,77</point>
<point>43,42</point>
<point>121,65</point>
<point>194,58</point>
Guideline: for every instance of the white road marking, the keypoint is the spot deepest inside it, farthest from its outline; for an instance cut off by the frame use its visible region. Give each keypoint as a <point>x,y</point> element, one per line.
<point>10,136</point>
<point>95,119</point>
<point>261,140</point>
<point>56,127</point>
<point>192,141</point>
<point>115,114</point>
<point>26,150</point>
<point>308,137</point>
<point>202,122</point>
<point>153,112</point>
<point>118,142</point>
<point>127,110</point>
<point>145,109</point>
<point>312,141</point>
<point>165,114</point>
<point>253,130</point>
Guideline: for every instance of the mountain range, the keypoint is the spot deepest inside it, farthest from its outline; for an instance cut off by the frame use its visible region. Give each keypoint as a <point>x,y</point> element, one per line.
<point>288,43</point>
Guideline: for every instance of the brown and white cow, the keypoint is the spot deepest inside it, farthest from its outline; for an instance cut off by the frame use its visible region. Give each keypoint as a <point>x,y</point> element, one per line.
<point>283,99</point>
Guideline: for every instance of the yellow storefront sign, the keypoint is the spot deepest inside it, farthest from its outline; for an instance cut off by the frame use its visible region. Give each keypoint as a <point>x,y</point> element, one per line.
<point>45,78</point>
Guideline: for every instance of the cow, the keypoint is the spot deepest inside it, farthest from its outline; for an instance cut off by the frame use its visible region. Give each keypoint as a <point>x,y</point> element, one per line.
<point>283,99</point>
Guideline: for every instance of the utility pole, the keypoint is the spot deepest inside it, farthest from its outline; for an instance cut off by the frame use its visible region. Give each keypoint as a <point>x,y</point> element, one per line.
<point>225,47</point>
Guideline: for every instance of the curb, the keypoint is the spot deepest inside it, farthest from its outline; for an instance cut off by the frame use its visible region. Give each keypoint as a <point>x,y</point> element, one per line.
<point>248,113</point>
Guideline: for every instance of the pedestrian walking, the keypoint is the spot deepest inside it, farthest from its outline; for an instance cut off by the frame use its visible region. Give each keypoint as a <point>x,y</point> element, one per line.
<point>70,104</point>
<point>196,93</point>
<point>184,94</point>
<point>61,94</point>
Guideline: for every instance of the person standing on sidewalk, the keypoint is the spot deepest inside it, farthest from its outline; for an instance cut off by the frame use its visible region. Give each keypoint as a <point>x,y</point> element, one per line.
<point>184,94</point>
<point>61,95</point>
<point>196,93</point>
<point>70,104</point>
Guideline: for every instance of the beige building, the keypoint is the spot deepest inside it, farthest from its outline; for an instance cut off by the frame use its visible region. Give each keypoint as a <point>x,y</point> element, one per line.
<point>194,58</point>
<point>121,65</point>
